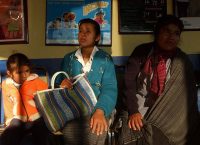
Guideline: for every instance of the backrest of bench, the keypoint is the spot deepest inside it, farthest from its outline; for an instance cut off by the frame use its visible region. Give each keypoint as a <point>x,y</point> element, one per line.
<point>1,103</point>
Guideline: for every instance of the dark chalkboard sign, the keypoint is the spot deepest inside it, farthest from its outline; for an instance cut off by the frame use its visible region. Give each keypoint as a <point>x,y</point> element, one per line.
<point>140,16</point>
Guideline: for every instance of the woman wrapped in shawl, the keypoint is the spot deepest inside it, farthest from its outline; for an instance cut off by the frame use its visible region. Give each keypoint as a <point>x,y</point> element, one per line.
<point>160,92</point>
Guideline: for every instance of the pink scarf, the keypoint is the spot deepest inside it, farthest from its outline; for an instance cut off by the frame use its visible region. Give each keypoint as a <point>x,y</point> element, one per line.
<point>159,73</point>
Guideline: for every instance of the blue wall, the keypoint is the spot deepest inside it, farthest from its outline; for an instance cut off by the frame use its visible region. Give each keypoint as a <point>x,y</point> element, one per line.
<point>53,65</point>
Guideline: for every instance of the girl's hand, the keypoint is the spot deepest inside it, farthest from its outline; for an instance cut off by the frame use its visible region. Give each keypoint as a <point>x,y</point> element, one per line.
<point>66,83</point>
<point>135,121</point>
<point>98,122</point>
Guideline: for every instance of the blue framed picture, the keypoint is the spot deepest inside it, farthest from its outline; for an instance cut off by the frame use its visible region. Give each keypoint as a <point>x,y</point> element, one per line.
<point>62,19</point>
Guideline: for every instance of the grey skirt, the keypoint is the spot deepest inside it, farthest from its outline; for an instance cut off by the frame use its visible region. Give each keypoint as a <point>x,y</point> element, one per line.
<point>77,132</point>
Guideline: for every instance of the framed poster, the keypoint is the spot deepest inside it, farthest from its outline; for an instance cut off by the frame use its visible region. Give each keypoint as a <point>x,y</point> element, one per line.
<point>13,21</point>
<point>140,16</point>
<point>62,19</point>
<point>189,12</point>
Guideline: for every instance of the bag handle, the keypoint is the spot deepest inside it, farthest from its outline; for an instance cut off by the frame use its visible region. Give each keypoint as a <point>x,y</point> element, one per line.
<point>77,78</point>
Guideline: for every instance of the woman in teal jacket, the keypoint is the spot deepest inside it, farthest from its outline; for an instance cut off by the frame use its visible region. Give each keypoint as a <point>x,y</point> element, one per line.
<point>99,69</point>
<point>101,77</point>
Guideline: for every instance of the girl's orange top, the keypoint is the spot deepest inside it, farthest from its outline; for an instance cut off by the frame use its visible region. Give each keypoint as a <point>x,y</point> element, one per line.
<point>27,91</point>
<point>13,106</point>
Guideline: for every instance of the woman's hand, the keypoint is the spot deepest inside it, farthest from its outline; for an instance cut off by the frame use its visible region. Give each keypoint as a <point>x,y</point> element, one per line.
<point>66,83</point>
<point>98,122</point>
<point>135,121</point>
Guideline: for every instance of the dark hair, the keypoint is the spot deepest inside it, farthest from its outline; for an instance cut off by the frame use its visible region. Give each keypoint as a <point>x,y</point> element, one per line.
<point>100,13</point>
<point>17,60</point>
<point>65,13</point>
<point>166,20</point>
<point>58,19</point>
<point>94,23</point>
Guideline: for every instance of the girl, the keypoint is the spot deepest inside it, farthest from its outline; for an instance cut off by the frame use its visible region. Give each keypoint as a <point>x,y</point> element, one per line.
<point>99,69</point>
<point>21,114</point>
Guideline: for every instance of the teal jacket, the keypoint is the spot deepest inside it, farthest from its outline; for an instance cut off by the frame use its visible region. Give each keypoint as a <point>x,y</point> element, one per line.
<point>102,78</point>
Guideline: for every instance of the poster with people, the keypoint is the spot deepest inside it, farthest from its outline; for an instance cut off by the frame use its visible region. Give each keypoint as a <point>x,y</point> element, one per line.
<point>62,19</point>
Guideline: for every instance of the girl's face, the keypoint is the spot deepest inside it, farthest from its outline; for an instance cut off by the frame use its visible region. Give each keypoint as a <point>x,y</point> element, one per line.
<point>20,75</point>
<point>57,24</point>
<point>24,72</point>
<point>168,37</point>
<point>87,35</point>
<point>14,75</point>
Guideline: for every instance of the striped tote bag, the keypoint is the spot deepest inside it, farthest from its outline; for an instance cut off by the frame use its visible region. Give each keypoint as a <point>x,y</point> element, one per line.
<point>59,105</point>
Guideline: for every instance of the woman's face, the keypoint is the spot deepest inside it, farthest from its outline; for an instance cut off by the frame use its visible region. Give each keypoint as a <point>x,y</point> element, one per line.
<point>168,37</point>
<point>14,75</point>
<point>87,35</point>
